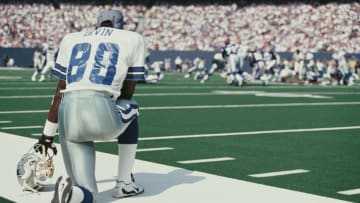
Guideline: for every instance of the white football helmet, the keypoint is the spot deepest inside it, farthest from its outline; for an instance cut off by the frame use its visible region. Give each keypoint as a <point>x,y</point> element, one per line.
<point>34,169</point>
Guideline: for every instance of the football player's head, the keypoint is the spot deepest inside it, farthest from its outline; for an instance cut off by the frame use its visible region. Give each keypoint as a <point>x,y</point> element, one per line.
<point>110,18</point>
<point>34,170</point>
<point>227,41</point>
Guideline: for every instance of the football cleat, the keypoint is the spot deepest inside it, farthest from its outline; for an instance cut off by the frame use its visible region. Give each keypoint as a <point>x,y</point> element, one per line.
<point>42,78</point>
<point>123,190</point>
<point>63,190</point>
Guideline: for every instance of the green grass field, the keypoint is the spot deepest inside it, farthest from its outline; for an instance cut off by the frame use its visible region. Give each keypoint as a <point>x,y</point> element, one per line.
<point>262,128</point>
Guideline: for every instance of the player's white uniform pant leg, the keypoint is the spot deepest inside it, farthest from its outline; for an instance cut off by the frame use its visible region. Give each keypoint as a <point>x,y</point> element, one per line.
<point>214,66</point>
<point>37,69</point>
<point>233,61</point>
<point>258,70</point>
<point>200,72</point>
<point>299,68</point>
<point>270,64</point>
<point>49,65</point>
<point>85,116</point>
<point>36,72</point>
<point>311,63</point>
<point>344,68</point>
<point>234,72</point>
<point>189,71</point>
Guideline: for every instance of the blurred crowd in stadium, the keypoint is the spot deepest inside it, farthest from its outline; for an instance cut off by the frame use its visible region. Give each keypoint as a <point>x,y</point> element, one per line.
<point>323,27</point>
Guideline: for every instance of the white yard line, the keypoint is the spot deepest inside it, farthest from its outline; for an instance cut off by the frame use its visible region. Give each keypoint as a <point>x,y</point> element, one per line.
<point>213,106</point>
<point>39,134</point>
<point>296,86</point>
<point>350,192</point>
<point>1,122</point>
<point>25,111</point>
<point>21,127</point>
<point>221,86</point>
<point>28,88</point>
<point>26,97</point>
<point>6,77</point>
<point>248,105</point>
<point>179,87</point>
<point>250,133</point>
<point>105,141</point>
<point>217,92</point>
<point>137,87</point>
<point>197,161</point>
<point>162,183</point>
<point>154,149</point>
<point>273,94</point>
<point>335,93</point>
<point>279,173</point>
<point>231,134</point>
<point>174,94</point>
<point>151,94</point>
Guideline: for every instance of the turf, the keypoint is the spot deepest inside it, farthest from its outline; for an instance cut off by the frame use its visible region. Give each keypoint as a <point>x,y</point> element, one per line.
<point>332,157</point>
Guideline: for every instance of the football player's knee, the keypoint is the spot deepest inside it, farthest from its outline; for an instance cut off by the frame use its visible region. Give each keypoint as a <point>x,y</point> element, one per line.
<point>131,134</point>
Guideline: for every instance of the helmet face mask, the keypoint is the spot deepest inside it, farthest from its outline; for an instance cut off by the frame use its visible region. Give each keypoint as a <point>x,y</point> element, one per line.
<point>34,170</point>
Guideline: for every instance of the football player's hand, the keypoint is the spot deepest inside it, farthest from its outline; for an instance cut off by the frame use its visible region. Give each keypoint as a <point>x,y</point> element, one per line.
<point>46,143</point>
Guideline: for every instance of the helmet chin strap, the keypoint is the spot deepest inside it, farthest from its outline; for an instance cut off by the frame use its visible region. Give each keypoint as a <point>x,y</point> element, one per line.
<point>26,187</point>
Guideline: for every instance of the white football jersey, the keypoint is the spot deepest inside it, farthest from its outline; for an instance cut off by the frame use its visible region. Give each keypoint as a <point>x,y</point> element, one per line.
<point>258,56</point>
<point>231,49</point>
<point>298,56</point>
<point>267,56</point>
<point>156,66</point>
<point>100,60</point>
<point>218,56</point>
<point>36,55</point>
<point>51,54</point>
<point>243,50</point>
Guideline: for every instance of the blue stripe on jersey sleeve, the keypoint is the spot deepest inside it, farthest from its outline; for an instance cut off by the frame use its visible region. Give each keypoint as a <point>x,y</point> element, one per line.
<point>136,73</point>
<point>140,77</point>
<point>60,68</point>
<point>136,69</point>
<point>59,71</point>
<point>60,75</point>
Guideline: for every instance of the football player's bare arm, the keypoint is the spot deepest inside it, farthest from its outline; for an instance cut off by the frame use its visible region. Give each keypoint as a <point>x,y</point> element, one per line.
<point>53,112</point>
<point>50,128</point>
<point>128,89</point>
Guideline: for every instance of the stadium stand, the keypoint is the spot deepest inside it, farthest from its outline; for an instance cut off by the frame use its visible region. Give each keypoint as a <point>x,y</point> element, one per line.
<point>320,26</point>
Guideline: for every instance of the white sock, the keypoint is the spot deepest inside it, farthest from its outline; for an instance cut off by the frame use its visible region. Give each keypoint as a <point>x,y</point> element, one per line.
<point>77,195</point>
<point>126,154</point>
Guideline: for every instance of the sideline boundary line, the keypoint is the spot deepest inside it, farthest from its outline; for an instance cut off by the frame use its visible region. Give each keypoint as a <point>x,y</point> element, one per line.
<point>162,183</point>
